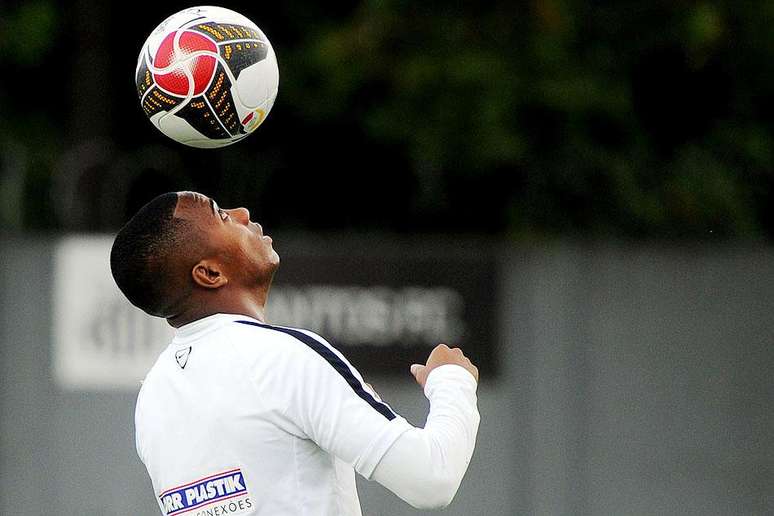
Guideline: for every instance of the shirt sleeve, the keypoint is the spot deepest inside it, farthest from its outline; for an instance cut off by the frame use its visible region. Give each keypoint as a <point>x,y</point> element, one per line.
<point>332,405</point>
<point>425,466</point>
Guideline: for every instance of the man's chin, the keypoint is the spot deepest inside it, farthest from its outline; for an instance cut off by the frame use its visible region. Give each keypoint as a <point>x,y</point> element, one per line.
<point>273,262</point>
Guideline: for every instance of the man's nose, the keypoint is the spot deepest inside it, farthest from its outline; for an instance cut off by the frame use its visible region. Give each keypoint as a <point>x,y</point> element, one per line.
<point>241,214</point>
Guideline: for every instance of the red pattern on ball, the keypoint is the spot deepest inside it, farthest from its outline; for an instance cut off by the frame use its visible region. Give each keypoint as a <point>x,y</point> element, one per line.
<point>202,67</point>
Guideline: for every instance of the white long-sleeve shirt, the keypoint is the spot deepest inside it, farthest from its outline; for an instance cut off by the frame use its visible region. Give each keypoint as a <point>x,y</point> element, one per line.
<point>242,418</point>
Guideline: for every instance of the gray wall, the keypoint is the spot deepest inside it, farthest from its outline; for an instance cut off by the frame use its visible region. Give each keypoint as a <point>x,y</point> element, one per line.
<point>634,380</point>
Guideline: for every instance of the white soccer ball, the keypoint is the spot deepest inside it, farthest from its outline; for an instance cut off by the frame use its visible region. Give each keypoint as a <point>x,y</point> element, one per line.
<point>207,77</point>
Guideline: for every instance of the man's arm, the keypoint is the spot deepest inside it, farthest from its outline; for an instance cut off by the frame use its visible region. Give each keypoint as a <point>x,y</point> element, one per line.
<point>425,466</point>
<point>328,402</point>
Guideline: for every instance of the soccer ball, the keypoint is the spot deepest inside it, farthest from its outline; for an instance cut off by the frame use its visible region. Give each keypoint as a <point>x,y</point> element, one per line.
<point>207,77</point>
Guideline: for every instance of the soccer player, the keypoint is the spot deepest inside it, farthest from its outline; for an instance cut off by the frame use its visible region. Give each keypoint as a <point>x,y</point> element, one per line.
<point>241,417</point>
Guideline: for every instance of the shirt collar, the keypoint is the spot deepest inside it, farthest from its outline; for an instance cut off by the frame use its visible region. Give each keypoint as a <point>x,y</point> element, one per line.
<point>196,329</point>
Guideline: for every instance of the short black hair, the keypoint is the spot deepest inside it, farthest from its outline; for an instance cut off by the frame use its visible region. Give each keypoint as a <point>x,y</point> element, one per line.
<point>140,258</point>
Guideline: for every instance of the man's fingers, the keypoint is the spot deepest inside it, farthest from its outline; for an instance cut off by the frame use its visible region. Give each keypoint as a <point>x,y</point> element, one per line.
<point>418,371</point>
<point>442,355</point>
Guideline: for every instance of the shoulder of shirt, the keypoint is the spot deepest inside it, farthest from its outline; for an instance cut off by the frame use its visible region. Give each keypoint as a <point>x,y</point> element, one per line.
<point>155,369</point>
<point>259,338</point>
<point>152,372</point>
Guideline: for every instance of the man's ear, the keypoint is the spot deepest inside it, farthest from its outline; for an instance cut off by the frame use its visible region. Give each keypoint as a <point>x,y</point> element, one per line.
<point>208,274</point>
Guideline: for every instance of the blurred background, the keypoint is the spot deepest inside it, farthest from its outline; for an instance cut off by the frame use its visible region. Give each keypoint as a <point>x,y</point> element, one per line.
<point>583,188</point>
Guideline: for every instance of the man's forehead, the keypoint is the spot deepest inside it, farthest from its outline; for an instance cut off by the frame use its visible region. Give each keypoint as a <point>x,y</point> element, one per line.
<point>190,203</point>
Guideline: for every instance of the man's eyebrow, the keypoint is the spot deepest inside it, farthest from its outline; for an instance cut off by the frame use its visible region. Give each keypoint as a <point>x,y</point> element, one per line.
<point>212,207</point>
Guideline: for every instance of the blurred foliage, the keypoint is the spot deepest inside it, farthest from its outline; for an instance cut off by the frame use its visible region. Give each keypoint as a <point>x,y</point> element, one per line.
<point>642,119</point>
<point>624,118</point>
<point>29,140</point>
<point>28,32</point>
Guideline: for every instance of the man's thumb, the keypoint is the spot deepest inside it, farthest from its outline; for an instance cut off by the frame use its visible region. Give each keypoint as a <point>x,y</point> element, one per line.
<point>416,369</point>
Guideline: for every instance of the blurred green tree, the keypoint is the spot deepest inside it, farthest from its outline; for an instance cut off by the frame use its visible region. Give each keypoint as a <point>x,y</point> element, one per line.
<point>28,131</point>
<point>562,117</point>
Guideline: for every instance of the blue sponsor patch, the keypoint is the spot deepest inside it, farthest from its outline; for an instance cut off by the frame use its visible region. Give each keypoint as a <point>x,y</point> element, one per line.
<point>228,490</point>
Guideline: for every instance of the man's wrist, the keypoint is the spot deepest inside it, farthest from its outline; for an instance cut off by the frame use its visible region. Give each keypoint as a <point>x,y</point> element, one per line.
<point>450,372</point>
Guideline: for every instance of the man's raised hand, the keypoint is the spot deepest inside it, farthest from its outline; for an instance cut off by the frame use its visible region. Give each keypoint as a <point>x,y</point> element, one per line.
<point>442,355</point>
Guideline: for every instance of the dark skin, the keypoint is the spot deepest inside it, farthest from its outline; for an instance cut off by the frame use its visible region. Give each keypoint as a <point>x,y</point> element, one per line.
<point>230,269</point>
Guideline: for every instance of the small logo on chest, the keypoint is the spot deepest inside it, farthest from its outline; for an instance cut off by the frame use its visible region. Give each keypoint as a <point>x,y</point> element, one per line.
<point>181,355</point>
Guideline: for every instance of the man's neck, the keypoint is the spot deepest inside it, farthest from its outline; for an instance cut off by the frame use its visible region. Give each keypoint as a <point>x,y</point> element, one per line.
<point>252,304</point>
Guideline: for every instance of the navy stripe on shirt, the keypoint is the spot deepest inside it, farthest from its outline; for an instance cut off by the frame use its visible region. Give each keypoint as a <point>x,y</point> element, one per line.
<point>334,360</point>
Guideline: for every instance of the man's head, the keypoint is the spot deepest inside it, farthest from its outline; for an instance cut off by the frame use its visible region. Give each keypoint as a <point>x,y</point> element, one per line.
<point>182,253</point>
